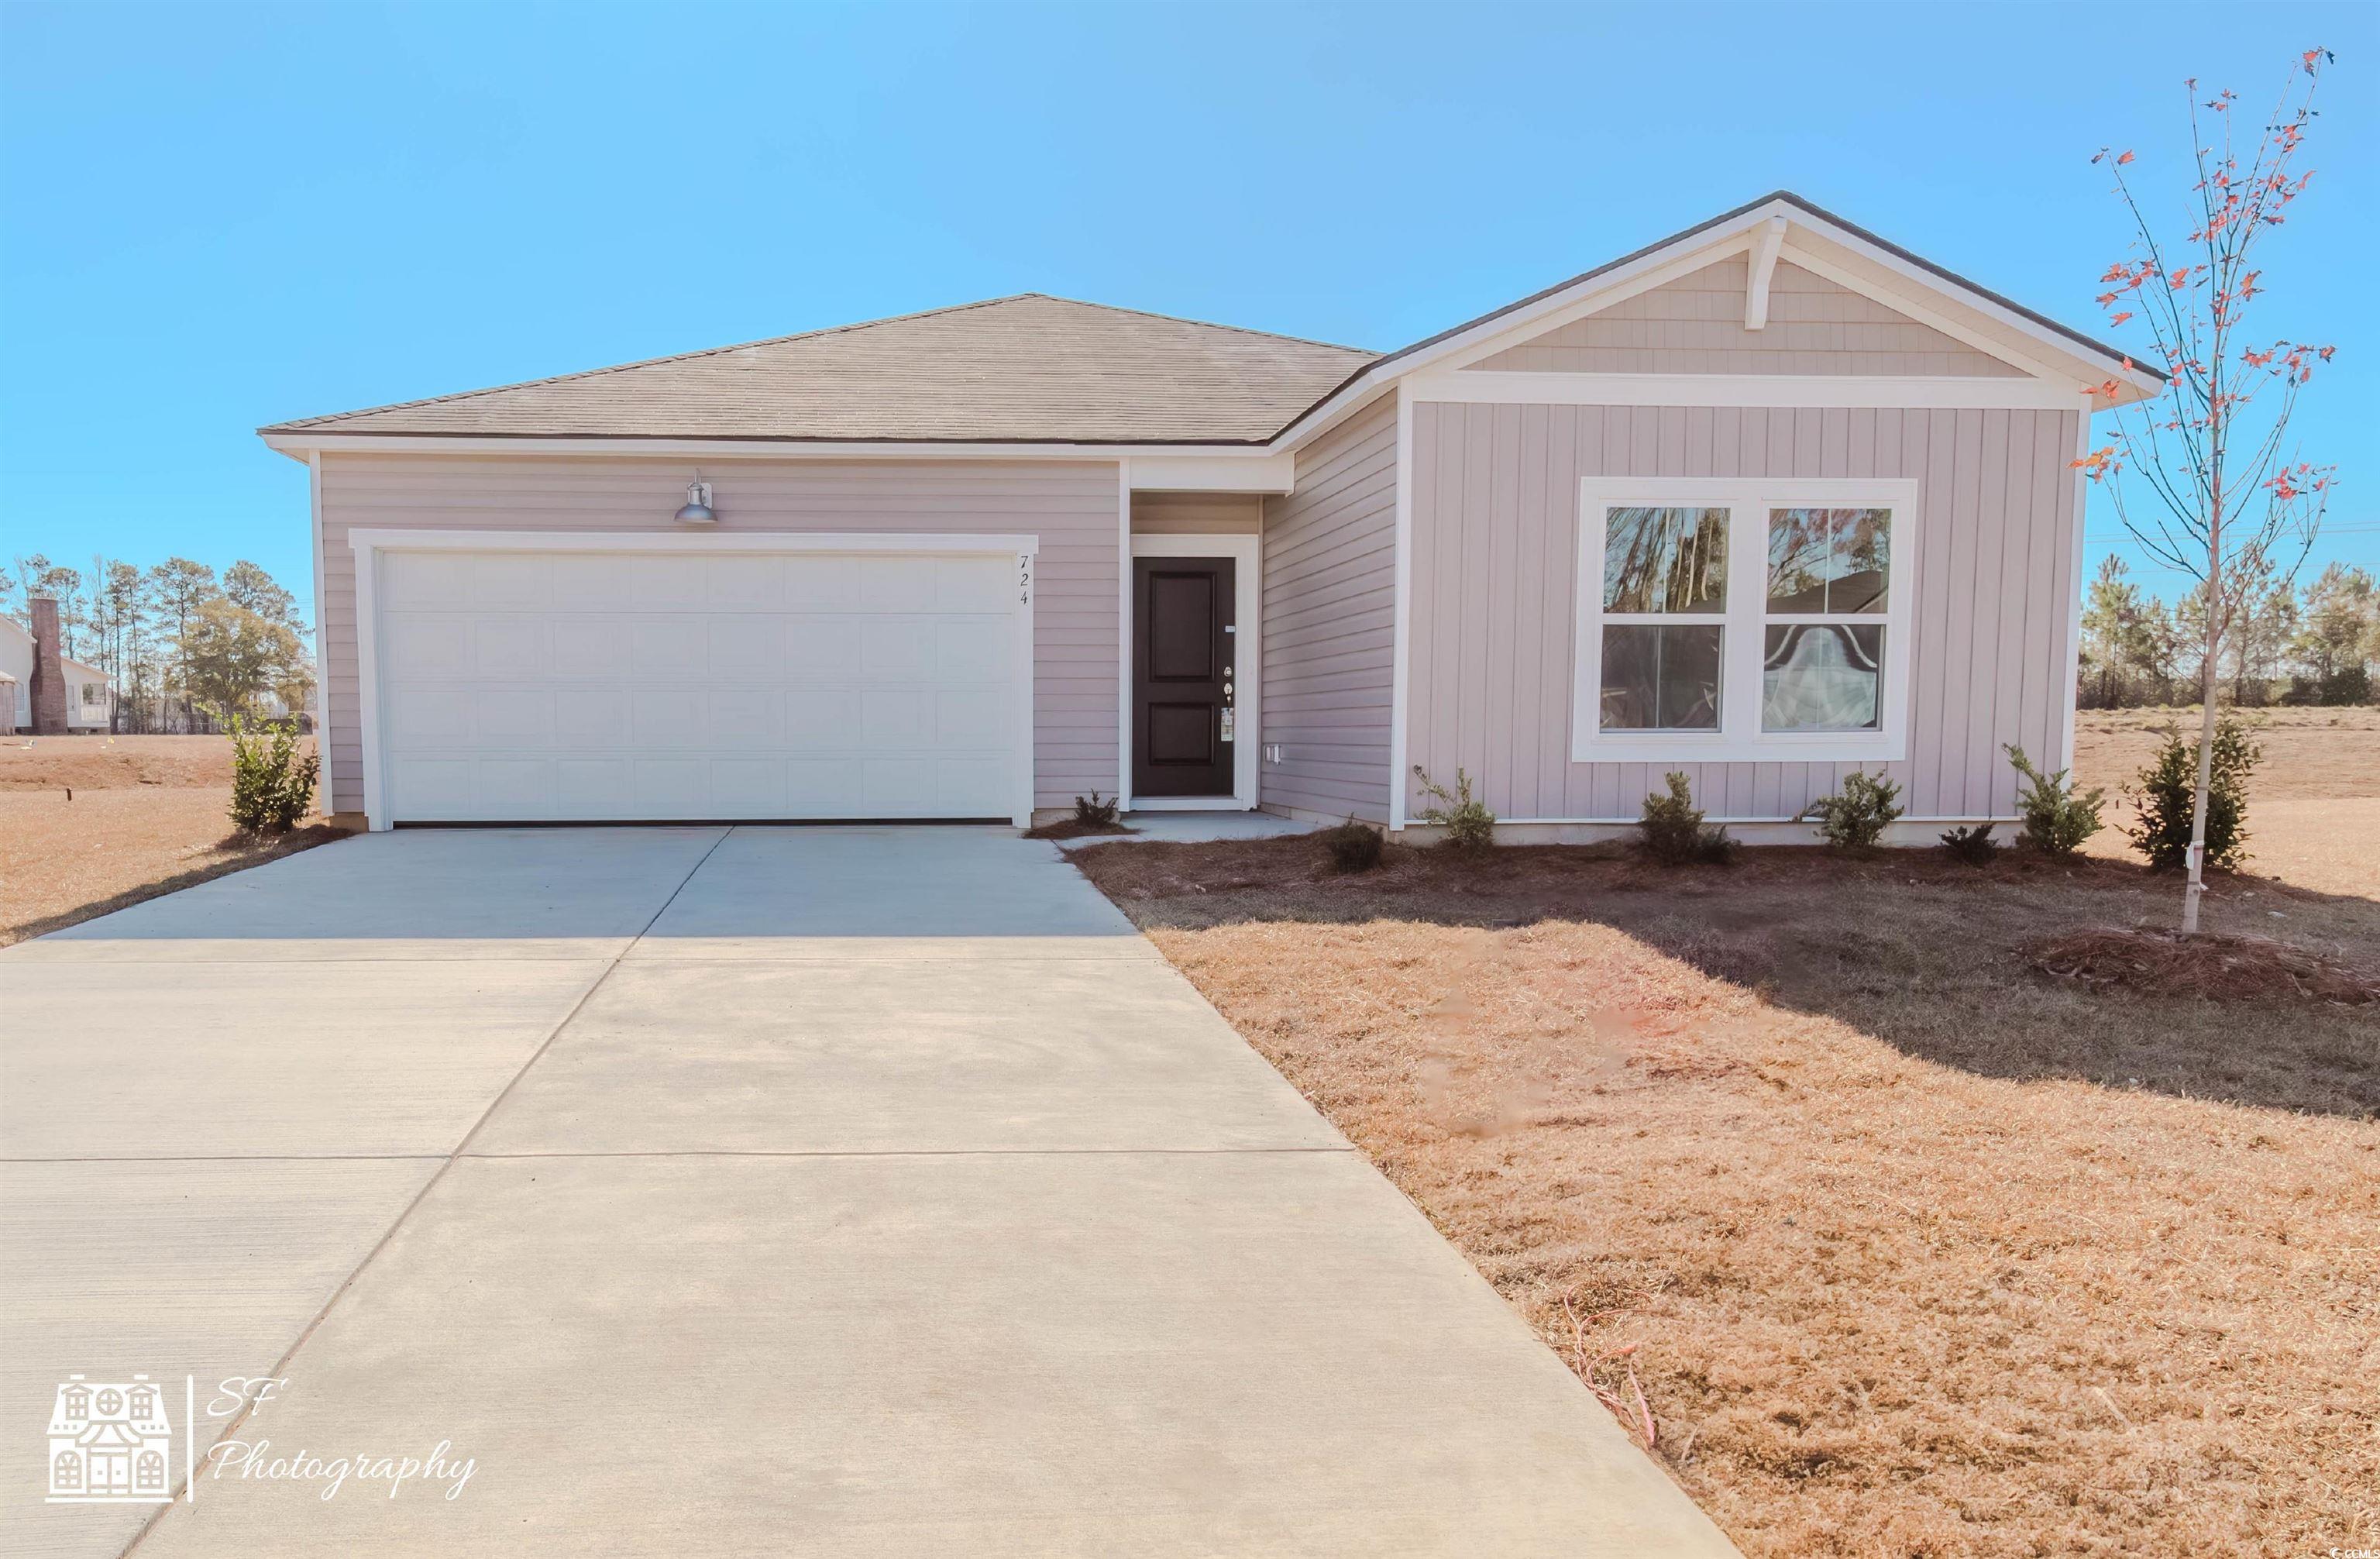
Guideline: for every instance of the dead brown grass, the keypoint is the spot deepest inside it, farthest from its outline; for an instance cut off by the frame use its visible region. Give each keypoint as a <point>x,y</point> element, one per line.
<point>147,815</point>
<point>1912,1247</point>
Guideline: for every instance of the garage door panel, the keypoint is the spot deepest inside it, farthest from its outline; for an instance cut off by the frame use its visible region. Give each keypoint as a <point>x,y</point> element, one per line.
<point>597,583</point>
<point>654,687</point>
<point>974,584</point>
<point>431,644</point>
<point>744,718</point>
<point>967,718</point>
<point>423,581</point>
<point>820,720</point>
<point>430,787</point>
<point>676,646</point>
<point>669,787</point>
<point>896,584</point>
<point>899,788</point>
<point>965,650</point>
<point>510,582</point>
<point>747,648</point>
<point>962,783</point>
<point>897,718</point>
<point>515,716</point>
<point>670,584</point>
<point>521,787</point>
<point>748,786</point>
<point>745,584</point>
<point>594,788</point>
<point>589,716</point>
<point>823,787</point>
<point>822,584</point>
<point>512,646</point>
<point>896,650</point>
<point>593,646</point>
<point>432,712</point>
<point>820,650</point>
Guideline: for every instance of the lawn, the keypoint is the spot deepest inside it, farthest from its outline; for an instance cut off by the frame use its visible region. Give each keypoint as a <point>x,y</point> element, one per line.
<point>1910,1247</point>
<point>88,825</point>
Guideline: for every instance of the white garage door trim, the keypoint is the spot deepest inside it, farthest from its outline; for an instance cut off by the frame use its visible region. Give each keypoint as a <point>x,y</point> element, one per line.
<point>371,544</point>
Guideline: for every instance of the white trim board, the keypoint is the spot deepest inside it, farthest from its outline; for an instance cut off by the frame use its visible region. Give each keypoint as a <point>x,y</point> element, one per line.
<point>1401,618</point>
<point>1499,386</point>
<point>1246,549</point>
<point>370,543</point>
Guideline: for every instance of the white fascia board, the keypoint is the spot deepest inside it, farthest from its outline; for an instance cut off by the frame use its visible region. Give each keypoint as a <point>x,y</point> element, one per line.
<point>1206,473</point>
<point>2051,355</point>
<point>299,445</point>
<point>1492,387</point>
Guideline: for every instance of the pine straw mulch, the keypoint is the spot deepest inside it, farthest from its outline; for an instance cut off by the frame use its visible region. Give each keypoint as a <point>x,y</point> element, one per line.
<point>1883,1242</point>
<point>2206,968</point>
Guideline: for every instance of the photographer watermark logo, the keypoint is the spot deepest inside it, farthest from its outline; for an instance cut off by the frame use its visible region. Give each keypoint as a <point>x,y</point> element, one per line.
<point>110,1443</point>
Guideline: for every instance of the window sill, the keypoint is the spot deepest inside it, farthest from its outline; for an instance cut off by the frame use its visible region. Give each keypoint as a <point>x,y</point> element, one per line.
<point>1685,747</point>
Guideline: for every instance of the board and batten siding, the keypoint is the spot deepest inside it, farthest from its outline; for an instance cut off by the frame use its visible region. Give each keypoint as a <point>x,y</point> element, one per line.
<point>1495,537</point>
<point>1695,325</point>
<point>1329,623</point>
<point>1070,506</point>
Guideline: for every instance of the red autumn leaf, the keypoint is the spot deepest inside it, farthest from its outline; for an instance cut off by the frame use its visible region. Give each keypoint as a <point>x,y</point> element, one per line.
<point>2122,160</point>
<point>2122,318</point>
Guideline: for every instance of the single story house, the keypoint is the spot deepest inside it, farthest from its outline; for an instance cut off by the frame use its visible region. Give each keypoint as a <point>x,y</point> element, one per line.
<point>89,703</point>
<point>1770,501</point>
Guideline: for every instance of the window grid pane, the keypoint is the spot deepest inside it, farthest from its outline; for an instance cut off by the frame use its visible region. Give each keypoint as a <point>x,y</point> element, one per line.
<point>1821,677</point>
<point>1664,560</point>
<point>1661,677</point>
<point>1828,562</point>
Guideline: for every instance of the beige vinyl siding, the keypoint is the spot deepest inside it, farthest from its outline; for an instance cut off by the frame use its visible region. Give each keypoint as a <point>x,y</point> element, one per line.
<point>1695,325</point>
<point>1495,536</point>
<point>1330,622</point>
<point>1070,506</point>
<point>1197,514</point>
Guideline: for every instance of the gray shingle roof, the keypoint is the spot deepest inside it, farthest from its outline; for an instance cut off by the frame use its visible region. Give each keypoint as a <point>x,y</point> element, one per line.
<point>1028,369</point>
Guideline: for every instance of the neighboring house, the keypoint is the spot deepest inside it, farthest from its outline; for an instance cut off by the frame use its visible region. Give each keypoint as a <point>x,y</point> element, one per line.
<point>1767,501</point>
<point>90,704</point>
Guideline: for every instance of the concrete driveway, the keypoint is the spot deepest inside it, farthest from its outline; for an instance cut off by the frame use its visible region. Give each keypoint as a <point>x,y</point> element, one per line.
<point>726,1191</point>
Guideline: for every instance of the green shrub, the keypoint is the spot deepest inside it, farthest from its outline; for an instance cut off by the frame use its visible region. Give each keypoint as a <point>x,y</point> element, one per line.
<point>1092,811</point>
<point>1855,818</point>
<point>272,785</point>
<point>2058,818</point>
<point>1973,846</point>
<point>2163,792</point>
<point>1674,832</point>
<point>1469,825</point>
<point>1351,846</point>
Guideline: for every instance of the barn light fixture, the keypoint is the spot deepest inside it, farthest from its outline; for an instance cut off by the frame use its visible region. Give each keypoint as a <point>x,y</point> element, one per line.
<point>698,509</point>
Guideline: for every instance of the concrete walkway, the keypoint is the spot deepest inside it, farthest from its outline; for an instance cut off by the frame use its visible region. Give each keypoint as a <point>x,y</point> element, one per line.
<point>833,1191</point>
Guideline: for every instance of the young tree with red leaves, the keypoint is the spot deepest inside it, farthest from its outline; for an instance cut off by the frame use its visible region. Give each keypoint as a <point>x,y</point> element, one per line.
<point>2228,498</point>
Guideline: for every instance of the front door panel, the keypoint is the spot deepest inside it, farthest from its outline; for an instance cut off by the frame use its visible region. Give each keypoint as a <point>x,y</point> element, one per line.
<point>1182,677</point>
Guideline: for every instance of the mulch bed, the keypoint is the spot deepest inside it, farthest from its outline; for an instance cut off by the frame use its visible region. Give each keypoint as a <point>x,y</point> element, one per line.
<point>2206,967</point>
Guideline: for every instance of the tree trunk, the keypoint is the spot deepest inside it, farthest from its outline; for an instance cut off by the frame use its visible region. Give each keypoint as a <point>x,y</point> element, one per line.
<point>2208,673</point>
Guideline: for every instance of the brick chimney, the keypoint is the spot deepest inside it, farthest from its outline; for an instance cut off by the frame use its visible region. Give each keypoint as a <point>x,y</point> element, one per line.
<point>49,669</point>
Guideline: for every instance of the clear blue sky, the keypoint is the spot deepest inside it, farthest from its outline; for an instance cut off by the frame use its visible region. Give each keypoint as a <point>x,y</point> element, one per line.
<point>217,218</point>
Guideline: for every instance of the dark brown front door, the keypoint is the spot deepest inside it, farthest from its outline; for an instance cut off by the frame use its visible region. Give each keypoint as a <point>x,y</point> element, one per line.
<point>1182,677</point>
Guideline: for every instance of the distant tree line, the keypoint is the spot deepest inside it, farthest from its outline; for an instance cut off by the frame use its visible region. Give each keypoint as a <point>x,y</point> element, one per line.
<point>183,649</point>
<point>2316,645</point>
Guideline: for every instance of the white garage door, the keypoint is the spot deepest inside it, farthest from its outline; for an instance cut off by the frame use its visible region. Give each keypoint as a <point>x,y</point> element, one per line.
<point>616,686</point>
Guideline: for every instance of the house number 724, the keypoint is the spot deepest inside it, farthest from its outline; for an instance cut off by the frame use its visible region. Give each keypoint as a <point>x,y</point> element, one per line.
<point>1025,578</point>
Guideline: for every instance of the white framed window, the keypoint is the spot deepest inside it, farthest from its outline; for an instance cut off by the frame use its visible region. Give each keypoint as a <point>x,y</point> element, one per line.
<point>1743,619</point>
